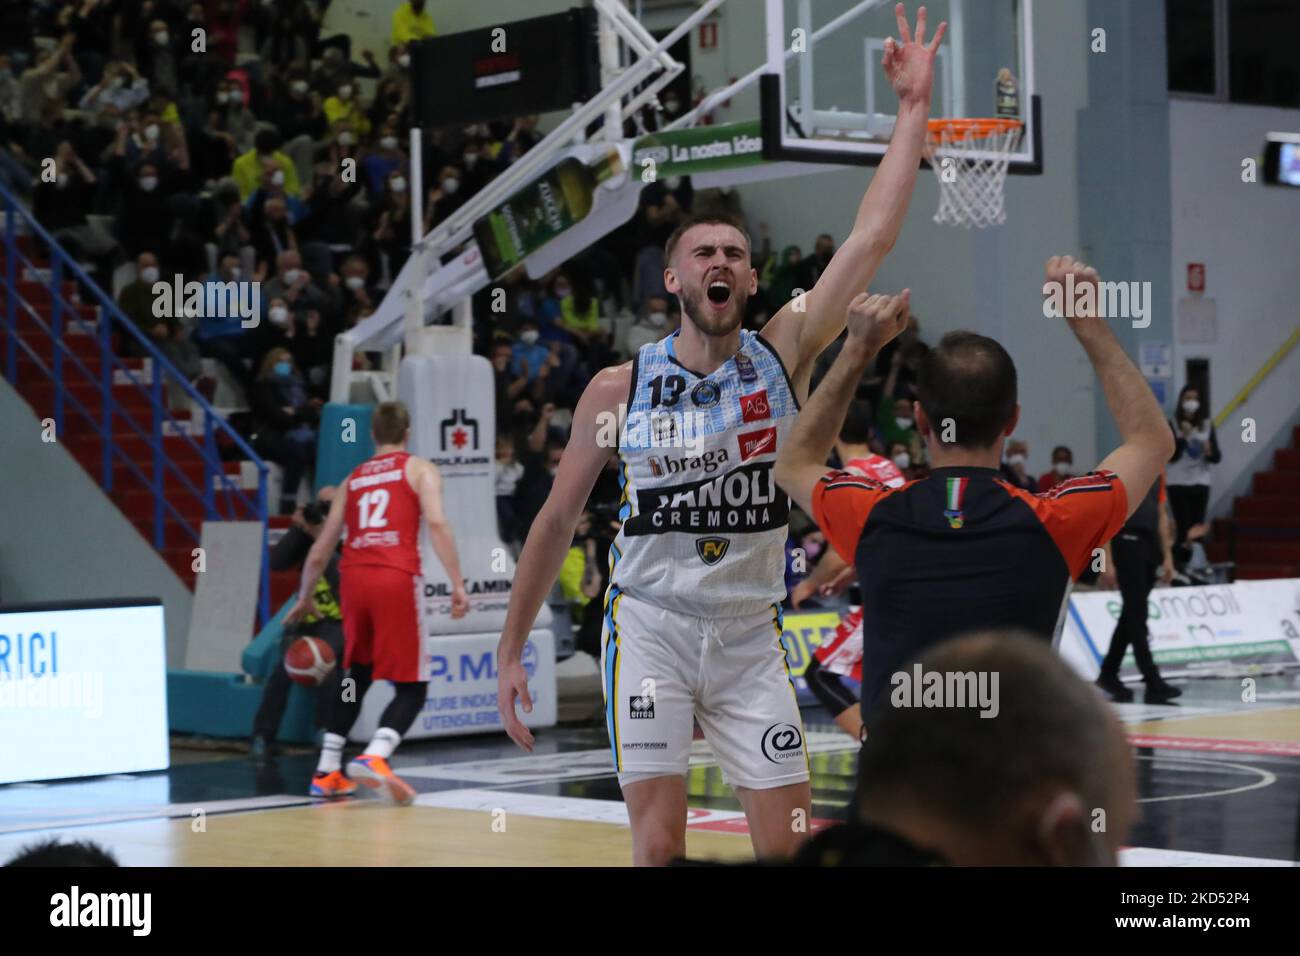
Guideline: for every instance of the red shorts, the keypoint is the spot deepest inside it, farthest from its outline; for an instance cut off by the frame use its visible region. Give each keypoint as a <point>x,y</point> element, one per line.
<point>383,622</point>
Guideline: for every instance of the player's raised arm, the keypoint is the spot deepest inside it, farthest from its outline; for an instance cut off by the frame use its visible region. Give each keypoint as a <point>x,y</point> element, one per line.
<point>595,423</point>
<point>872,321</point>
<point>319,555</point>
<point>1147,441</point>
<point>800,331</point>
<point>428,485</point>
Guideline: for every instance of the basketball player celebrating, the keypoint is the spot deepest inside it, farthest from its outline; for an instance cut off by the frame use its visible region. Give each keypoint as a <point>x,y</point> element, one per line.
<point>381,504</point>
<point>692,614</point>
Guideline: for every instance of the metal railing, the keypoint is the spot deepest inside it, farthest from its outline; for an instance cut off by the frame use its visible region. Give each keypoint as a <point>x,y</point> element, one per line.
<point>232,503</point>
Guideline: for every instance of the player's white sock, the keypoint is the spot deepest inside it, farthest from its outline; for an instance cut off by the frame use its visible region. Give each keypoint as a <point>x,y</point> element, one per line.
<point>331,753</point>
<point>385,742</point>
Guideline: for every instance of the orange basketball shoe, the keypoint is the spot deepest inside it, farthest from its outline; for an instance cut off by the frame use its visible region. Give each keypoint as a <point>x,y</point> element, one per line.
<point>331,785</point>
<point>375,773</point>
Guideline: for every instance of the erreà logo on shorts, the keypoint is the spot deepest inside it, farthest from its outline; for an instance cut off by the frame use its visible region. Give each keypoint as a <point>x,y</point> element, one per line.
<point>641,708</point>
<point>712,550</point>
<point>75,909</point>
<point>782,742</point>
<point>709,462</point>
<point>761,442</point>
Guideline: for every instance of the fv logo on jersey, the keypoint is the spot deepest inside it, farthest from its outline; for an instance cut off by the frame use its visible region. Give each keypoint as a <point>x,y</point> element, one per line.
<point>782,742</point>
<point>712,550</point>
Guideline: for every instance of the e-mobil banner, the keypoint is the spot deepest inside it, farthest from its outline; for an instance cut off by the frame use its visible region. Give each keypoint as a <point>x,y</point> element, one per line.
<point>1192,629</point>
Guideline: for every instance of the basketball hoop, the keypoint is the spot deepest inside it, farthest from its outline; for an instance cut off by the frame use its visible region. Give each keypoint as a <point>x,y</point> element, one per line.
<point>969,158</point>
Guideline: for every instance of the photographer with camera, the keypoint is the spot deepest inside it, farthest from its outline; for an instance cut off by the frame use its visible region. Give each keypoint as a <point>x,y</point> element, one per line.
<point>289,554</point>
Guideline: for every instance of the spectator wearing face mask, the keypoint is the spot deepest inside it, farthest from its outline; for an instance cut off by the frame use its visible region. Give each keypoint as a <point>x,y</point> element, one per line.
<point>384,159</point>
<point>1015,466</point>
<point>48,84</point>
<point>277,330</point>
<point>341,146</point>
<point>313,351</point>
<point>230,104</point>
<point>897,423</point>
<point>284,422</point>
<point>1196,451</point>
<point>900,453</point>
<point>61,208</point>
<point>529,354</point>
<point>297,111</point>
<point>249,169</point>
<point>295,285</point>
<point>480,168</point>
<point>388,223</point>
<point>136,302</point>
<point>356,289</point>
<point>336,69</point>
<point>444,198</point>
<point>345,104</point>
<point>811,267</point>
<point>146,218</point>
<point>158,51</point>
<point>411,22</point>
<point>653,325</point>
<point>1062,469</point>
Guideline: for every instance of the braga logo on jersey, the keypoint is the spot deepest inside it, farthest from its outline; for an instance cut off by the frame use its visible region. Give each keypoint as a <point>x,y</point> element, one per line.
<point>755,408</point>
<point>712,550</point>
<point>459,432</point>
<point>708,463</point>
<point>782,742</point>
<point>761,442</point>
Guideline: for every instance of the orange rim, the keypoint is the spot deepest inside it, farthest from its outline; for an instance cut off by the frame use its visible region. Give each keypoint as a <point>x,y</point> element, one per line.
<point>950,128</point>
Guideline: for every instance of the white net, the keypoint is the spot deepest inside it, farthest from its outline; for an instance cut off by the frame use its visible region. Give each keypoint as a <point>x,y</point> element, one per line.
<point>969,158</point>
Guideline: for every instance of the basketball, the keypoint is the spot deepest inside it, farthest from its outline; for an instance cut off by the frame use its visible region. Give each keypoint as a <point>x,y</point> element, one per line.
<point>309,661</point>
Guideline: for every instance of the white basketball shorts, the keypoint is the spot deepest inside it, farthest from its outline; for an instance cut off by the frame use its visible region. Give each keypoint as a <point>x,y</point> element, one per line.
<point>661,671</point>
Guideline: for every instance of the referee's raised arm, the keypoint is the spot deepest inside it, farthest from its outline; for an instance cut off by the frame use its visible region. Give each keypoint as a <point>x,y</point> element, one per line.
<point>1147,441</point>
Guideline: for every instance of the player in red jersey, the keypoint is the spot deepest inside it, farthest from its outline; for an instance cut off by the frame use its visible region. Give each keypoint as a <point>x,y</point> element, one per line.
<point>381,504</point>
<point>841,656</point>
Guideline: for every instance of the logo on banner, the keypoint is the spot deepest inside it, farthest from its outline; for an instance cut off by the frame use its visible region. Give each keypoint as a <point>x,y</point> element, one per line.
<point>459,431</point>
<point>755,408</point>
<point>761,442</point>
<point>712,550</point>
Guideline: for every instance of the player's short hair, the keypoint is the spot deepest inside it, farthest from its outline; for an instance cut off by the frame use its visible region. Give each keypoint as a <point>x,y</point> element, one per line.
<point>55,852</point>
<point>710,219</point>
<point>970,379</point>
<point>1051,728</point>
<point>857,424</point>
<point>390,423</point>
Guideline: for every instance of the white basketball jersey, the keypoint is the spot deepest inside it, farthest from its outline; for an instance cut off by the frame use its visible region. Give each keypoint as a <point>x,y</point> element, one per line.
<point>704,523</point>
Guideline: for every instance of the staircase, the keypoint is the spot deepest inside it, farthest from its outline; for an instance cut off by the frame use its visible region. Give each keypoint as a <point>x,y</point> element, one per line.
<point>169,466</point>
<point>1263,534</point>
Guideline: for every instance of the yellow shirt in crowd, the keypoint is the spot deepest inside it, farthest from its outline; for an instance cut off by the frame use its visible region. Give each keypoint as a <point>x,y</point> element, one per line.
<point>409,25</point>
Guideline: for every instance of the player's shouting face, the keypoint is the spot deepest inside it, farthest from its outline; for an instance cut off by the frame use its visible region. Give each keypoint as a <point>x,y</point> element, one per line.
<point>710,272</point>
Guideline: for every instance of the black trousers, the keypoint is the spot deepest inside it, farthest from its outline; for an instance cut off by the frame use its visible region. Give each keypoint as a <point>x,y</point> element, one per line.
<point>1136,557</point>
<point>1188,503</point>
<point>275,695</point>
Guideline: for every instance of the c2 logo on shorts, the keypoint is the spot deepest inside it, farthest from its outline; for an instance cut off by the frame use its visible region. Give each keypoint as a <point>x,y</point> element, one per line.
<point>782,742</point>
<point>641,708</point>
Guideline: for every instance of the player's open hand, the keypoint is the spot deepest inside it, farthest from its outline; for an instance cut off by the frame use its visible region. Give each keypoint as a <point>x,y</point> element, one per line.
<point>909,64</point>
<point>512,682</point>
<point>875,319</point>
